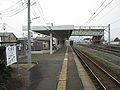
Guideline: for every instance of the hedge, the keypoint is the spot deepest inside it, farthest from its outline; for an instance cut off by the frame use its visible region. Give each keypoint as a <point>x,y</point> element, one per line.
<point>5,71</point>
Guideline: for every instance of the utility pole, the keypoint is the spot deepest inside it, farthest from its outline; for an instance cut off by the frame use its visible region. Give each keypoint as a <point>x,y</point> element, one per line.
<point>29,37</point>
<point>108,34</point>
<point>4,32</point>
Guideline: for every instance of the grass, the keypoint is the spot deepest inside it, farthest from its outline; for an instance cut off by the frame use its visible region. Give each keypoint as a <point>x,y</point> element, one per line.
<point>4,74</point>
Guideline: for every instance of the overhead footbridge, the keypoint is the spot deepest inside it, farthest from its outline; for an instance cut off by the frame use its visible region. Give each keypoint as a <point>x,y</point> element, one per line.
<point>96,31</point>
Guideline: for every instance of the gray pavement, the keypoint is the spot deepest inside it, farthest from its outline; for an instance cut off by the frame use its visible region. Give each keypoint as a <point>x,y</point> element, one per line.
<point>73,80</point>
<point>45,75</point>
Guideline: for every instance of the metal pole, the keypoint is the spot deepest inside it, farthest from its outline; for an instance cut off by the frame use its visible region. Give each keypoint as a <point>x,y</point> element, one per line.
<point>56,41</point>
<point>108,34</point>
<point>50,41</point>
<point>29,41</point>
<point>51,52</point>
<point>4,32</point>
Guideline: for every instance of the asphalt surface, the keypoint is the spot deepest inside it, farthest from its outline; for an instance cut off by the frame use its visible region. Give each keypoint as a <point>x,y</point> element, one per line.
<point>45,75</point>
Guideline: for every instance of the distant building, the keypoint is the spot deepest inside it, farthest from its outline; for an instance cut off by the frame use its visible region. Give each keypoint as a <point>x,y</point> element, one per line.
<point>41,43</point>
<point>114,43</point>
<point>7,37</point>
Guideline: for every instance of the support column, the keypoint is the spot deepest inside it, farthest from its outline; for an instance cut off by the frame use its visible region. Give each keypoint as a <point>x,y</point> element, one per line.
<point>108,34</point>
<point>56,41</point>
<point>51,42</point>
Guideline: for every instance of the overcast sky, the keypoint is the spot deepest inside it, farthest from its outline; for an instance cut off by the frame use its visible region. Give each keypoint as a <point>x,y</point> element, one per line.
<point>60,12</point>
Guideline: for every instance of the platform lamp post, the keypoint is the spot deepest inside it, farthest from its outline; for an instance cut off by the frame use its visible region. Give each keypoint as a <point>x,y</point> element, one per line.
<point>108,34</point>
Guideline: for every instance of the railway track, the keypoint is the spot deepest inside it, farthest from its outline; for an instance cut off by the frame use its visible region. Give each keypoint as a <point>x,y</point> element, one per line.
<point>107,50</point>
<point>111,51</point>
<point>104,79</point>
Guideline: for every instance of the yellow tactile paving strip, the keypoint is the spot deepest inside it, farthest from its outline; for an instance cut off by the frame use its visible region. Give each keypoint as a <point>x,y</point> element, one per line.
<point>63,75</point>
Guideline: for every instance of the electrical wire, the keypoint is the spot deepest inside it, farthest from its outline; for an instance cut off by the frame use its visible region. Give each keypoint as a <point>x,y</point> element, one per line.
<point>41,11</point>
<point>101,11</point>
<point>10,26</point>
<point>15,10</point>
<point>109,12</point>
<point>116,28</point>
<point>11,6</point>
<point>116,21</point>
<point>100,6</point>
<point>96,11</point>
<point>35,15</point>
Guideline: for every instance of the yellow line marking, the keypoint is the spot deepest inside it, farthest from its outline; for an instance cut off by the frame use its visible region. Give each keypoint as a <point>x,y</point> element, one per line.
<point>65,59</point>
<point>63,75</point>
<point>61,85</point>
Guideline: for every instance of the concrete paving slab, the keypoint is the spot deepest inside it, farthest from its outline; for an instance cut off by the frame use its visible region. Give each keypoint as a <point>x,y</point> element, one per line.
<point>45,75</point>
<point>73,80</point>
<point>87,83</point>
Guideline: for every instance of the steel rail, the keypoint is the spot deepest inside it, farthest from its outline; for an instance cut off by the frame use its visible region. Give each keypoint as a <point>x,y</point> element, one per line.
<point>76,51</point>
<point>107,50</point>
<point>98,67</point>
<point>110,51</point>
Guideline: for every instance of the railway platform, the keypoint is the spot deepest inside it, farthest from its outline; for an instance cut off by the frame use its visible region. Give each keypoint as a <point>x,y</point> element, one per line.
<point>59,71</point>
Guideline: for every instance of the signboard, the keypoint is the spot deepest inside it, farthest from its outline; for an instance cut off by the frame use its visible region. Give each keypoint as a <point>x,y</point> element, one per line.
<point>0,39</point>
<point>11,55</point>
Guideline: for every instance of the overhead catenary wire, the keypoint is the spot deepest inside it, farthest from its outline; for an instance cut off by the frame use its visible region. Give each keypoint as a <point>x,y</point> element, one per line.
<point>101,18</point>
<point>101,10</point>
<point>116,21</point>
<point>100,5</point>
<point>96,11</point>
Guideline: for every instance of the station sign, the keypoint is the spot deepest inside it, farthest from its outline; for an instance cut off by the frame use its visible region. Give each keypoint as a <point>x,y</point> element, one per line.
<point>11,55</point>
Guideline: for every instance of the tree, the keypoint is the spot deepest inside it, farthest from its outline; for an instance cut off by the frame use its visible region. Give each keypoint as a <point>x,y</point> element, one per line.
<point>116,39</point>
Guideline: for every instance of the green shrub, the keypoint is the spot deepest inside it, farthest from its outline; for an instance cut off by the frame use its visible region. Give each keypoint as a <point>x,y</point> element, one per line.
<point>5,71</point>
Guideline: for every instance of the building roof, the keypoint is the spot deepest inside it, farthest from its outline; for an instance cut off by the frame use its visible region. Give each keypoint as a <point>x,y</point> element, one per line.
<point>6,34</point>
